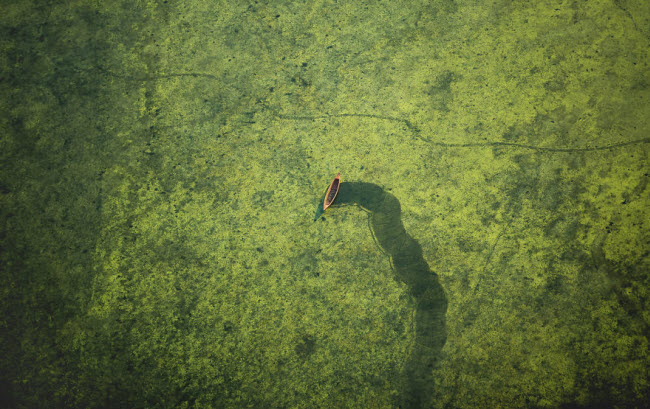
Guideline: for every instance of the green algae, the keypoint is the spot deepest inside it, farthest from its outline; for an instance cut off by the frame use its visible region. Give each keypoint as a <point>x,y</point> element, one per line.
<point>160,162</point>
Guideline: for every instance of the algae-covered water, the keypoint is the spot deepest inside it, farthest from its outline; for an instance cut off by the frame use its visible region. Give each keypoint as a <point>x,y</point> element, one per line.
<point>161,163</point>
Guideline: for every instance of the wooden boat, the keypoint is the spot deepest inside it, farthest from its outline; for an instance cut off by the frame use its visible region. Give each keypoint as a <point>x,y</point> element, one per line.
<point>332,191</point>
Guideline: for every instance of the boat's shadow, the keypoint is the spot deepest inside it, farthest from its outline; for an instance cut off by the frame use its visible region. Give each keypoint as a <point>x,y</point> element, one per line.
<point>410,268</point>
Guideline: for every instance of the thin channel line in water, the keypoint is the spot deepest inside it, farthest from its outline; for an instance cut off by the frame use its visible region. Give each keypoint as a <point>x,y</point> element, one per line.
<point>413,128</point>
<point>541,148</point>
<point>156,77</point>
<point>406,122</point>
<point>416,131</point>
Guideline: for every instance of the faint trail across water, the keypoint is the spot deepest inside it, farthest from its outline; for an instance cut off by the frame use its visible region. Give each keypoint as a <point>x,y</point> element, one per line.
<point>418,134</point>
<point>410,126</point>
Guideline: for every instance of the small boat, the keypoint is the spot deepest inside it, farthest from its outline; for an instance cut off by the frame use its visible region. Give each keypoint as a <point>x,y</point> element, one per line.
<point>332,191</point>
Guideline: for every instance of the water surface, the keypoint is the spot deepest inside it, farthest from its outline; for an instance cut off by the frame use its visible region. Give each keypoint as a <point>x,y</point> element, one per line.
<point>161,162</point>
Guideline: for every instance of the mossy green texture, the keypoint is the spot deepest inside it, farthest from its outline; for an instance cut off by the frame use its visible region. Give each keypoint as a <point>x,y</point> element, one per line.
<point>161,162</point>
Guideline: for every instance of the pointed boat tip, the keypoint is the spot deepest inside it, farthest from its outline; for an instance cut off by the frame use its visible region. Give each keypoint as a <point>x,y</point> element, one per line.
<point>330,195</point>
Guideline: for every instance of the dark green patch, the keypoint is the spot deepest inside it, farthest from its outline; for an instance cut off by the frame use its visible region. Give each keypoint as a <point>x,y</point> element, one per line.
<point>512,134</point>
<point>440,95</point>
<point>306,346</point>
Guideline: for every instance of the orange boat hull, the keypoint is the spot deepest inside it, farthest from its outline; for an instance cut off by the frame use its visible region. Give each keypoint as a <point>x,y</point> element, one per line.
<point>332,191</point>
